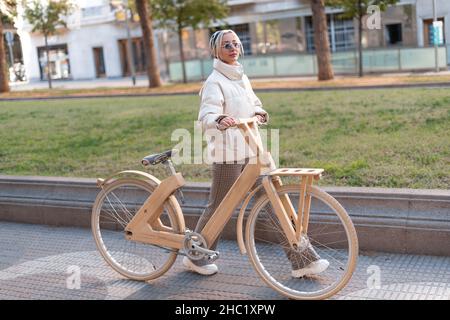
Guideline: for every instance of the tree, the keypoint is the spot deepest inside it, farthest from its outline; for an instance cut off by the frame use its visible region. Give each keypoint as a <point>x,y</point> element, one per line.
<point>46,18</point>
<point>179,14</point>
<point>321,40</point>
<point>7,12</point>
<point>357,9</point>
<point>145,18</point>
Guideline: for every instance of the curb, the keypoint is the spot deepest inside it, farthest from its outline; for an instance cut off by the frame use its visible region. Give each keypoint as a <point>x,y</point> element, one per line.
<point>413,221</point>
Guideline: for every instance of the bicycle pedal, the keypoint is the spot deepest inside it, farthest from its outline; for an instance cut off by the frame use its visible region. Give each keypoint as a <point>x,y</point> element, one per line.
<point>213,257</point>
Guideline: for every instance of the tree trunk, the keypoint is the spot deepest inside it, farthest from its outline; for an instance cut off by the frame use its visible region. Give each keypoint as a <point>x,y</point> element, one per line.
<point>180,42</point>
<point>321,40</point>
<point>4,74</point>
<point>49,76</point>
<point>360,16</point>
<point>147,32</point>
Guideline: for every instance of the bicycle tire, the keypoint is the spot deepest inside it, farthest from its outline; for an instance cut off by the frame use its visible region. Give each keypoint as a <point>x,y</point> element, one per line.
<point>276,274</point>
<point>150,261</point>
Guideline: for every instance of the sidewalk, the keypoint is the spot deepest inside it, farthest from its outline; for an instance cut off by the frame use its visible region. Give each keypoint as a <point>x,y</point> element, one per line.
<point>36,262</point>
<point>141,81</point>
<point>289,82</point>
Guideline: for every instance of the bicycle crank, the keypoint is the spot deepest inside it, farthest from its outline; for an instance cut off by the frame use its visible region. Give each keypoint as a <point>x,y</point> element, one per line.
<point>195,247</point>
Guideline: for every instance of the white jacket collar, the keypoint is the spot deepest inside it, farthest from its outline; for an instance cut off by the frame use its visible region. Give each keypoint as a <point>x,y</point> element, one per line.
<point>232,72</point>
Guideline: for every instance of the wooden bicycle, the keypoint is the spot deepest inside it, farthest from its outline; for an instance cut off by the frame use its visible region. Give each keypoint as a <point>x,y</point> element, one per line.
<point>139,227</point>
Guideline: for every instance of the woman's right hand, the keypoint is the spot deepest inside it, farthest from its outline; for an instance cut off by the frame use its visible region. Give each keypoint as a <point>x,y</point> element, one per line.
<point>227,122</point>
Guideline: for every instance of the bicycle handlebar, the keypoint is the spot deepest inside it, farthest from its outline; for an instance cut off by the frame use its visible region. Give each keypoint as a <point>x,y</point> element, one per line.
<point>242,121</point>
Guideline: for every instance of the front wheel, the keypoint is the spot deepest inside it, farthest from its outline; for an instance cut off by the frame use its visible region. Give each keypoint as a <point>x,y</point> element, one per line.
<point>330,233</point>
<point>113,209</point>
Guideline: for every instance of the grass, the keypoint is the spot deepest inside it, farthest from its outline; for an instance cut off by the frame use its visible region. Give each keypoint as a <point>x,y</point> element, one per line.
<point>382,138</point>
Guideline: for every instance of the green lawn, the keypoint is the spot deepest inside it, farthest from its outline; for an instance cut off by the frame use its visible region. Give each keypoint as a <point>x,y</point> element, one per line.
<point>382,138</point>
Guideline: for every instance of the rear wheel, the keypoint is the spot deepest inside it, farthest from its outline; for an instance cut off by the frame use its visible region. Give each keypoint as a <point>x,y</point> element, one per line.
<point>114,207</point>
<point>330,232</point>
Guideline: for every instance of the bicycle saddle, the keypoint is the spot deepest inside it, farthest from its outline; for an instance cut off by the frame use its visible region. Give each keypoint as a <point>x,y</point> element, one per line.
<point>157,158</point>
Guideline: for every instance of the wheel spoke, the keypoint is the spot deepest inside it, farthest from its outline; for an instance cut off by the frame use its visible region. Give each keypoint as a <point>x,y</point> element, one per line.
<point>112,212</point>
<point>274,259</point>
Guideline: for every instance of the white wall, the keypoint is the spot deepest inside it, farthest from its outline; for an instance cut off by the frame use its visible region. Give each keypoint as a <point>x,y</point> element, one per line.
<point>95,31</point>
<point>91,3</point>
<point>80,44</point>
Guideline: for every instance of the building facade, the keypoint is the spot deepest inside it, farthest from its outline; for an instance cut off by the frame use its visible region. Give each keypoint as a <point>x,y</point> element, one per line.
<point>276,27</point>
<point>95,43</point>
<point>424,18</point>
<point>93,46</point>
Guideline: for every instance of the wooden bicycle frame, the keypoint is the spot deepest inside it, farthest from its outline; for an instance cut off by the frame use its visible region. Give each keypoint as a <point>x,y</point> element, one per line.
<point>147,227</point>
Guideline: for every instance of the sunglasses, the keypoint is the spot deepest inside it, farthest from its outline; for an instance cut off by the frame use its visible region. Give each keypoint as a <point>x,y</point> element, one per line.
<point>229,46</point>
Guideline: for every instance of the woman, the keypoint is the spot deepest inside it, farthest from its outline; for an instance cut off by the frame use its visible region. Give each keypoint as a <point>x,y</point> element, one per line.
<point>225,96</point>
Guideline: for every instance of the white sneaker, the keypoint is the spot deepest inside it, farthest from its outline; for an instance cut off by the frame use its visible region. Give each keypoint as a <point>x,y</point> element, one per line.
<point>314,267</point>
<point>206,270</point>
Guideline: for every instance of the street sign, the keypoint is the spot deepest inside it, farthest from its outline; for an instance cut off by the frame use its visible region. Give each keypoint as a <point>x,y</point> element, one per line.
<point>9,37</point>
<point>438,34</point>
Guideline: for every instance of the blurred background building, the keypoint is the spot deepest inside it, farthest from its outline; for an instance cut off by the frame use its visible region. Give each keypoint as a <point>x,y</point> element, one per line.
<point>277,37</point>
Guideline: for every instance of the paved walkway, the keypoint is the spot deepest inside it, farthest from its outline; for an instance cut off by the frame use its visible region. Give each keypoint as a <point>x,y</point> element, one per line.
<point>142,81</point>
<point>38,262</point>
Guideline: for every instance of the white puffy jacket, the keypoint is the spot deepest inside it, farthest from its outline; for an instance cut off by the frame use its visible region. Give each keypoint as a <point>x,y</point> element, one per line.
<point>227,92</point>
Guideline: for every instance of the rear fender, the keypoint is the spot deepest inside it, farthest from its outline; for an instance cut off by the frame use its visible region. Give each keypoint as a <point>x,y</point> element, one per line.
<point>101,183</point>
<point>152,179</point>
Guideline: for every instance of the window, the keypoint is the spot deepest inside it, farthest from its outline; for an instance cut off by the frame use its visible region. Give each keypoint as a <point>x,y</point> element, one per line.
<point>138,54</point>
<point>92,11</point>
<point>344,34</point>
<point>394,34</point>
<point>59,62</point>
<point>341,33</point>
<point>268,36</point>
<point>242,31</point>
<point>300,35</point>
<point>16,47</point>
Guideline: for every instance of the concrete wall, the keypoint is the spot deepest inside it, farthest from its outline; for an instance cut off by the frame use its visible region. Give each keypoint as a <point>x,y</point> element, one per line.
<point>391,220</point>
<point>404,15</point>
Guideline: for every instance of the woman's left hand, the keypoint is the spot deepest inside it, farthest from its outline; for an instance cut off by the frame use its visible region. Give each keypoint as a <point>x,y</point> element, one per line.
<point>261,119</point>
